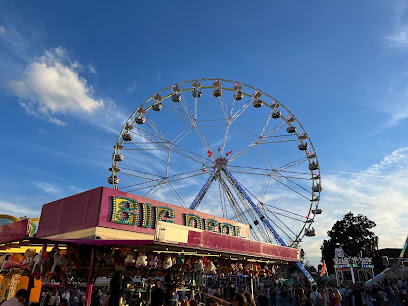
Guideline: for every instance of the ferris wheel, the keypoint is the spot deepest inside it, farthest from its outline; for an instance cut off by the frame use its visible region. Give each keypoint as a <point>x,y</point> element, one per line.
<point>224,148</point>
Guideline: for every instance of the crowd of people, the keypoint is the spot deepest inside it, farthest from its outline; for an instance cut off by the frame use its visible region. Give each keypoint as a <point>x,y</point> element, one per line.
<point>387,293</point>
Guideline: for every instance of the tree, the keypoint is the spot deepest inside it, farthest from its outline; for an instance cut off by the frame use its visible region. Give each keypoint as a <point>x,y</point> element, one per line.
<point>354,235</point>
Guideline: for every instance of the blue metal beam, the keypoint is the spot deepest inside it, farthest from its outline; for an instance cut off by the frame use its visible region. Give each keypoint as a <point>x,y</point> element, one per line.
<point>203,190</point>
<point>265,220</point>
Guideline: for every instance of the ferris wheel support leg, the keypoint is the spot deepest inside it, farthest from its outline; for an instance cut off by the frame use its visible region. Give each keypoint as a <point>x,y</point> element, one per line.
<point>203,191</point>
<point>265,221</point>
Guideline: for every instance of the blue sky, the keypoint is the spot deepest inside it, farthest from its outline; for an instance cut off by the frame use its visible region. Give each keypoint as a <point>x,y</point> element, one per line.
<point>71,74</point>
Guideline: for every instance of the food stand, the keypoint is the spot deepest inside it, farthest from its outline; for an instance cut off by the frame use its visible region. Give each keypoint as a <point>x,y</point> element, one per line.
<point>103,232</point>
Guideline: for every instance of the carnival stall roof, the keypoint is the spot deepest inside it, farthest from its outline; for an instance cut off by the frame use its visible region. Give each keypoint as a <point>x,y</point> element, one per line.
<point>105,216</point>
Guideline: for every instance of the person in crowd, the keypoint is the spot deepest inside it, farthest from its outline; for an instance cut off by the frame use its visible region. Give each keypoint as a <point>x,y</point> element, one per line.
<point>171,297</point>
<point>55,299</point>
<point>262,299</point>
<point>272,295</point>
<point>250,299</point>
<point>322,292</point>
<point>315,297</point>
<point>337,297</point>
<point>157,296</point>
<point>239,299</point>
<point>331,298</point>
<point>21,299</point>
<point>64,302</point>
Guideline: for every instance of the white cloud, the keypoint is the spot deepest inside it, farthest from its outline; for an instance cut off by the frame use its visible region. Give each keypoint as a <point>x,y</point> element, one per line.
<point>379,192</point>
<point>132,87</point>
<point>51,189</point>
<point>57,191</point>
<point>158,74</point>
<point>395,94</point>
<point>51,85</point>
<point>92,68</point>
<point>18,210</point>
<point>42,131</point>
<point>2,31</point>
<point>399,37</point>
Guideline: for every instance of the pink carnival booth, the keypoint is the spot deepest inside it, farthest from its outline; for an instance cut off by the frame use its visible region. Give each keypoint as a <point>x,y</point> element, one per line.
<point>144,237</point>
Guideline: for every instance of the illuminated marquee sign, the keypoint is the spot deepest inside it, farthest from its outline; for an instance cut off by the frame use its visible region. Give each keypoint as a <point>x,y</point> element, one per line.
<point>130,212</point>
<point>342,261</point>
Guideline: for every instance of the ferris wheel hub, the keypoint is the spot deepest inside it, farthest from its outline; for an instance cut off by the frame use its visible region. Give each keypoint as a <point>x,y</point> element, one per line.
<point>221,162</point>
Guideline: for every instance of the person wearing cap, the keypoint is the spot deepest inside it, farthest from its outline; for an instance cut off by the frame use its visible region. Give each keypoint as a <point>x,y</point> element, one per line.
<point>21,299</point>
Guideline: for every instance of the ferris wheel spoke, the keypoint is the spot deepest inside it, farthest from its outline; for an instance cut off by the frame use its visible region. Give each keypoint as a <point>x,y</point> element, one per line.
<point>267,122</point>
<point>247,130</point>
<point>236,207</point>
<point>240,133</point>
<point>293,189</point>
<point>224,106</point>
<point>141,174</point>
<point>292,164</point>
<point>266,174</point>
<point>227,120</point>
<point>222,200</point>
<point>171,146</point>
<point>177,114</point>
<point>155,128</point>
<point>168,163</point>
<point>247,204</point>
<point>173,178</point>
<point>282,214</point>
<point>151,138</point>
<point>269,170</point>
<point>187,109</point>
<point>274,130</point>
<point>202,138</point>
<point>193,156</point>
<point>182,135</point>
<point>154,189</point>
<point>177,196</point>
<point>262,204</point>
<point>279,141</point>
<point>242,109</point>
<point>265,188</point>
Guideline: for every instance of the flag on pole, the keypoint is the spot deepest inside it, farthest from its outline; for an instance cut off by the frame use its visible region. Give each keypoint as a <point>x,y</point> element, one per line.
<point>219,148</point>
<point>324,269</point>
<point>228,153</point>
<point>204,168</point>
<point>209,154</point>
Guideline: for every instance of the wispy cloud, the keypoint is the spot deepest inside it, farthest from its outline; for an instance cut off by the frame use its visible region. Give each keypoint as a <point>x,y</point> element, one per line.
<point>399,36</point>
<point>42,131</point>
<point>132,87</point>
<point>92,68</point>
<point>55,190</point>
<point>396,95</point>
<point>18,209</point>
<point>378,192</point>
<point>158,74</point>
<point>2,31</point>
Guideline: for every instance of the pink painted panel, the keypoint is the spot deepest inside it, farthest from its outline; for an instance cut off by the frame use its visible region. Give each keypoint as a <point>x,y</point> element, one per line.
<point>106,210</point>
<point>14,231</point>
<point>72,213</point>
<point>194,238</point>
<point>236,245</point>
